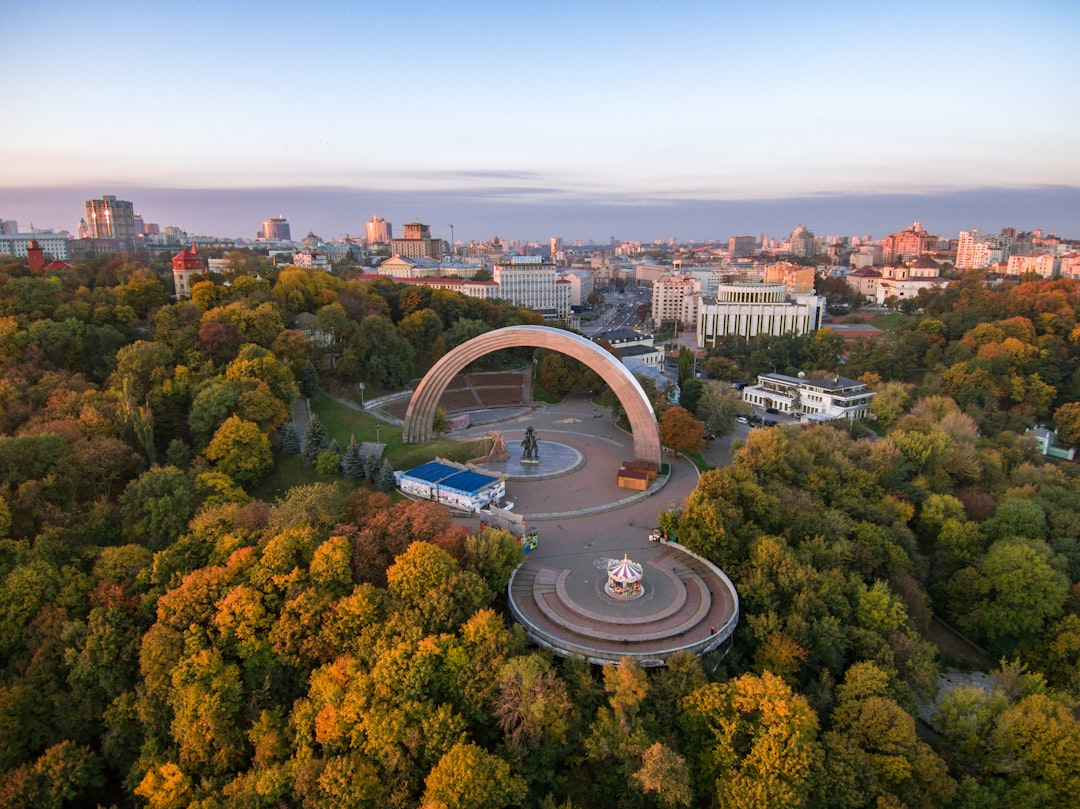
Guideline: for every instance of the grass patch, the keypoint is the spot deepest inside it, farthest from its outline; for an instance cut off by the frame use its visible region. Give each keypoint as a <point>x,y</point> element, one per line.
<point>699,462</point>
<point>342,422</point>
<point>287,472</point>
<point>892,321</point>
<point>541,395</point>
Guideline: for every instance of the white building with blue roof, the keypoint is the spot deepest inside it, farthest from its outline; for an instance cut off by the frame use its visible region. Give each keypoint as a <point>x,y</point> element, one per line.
<point>452,485</point>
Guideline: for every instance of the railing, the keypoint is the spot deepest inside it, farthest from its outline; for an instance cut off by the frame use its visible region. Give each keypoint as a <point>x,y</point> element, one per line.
<point>561,645</point>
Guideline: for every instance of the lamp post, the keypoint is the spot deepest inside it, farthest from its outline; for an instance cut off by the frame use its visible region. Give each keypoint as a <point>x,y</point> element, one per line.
<point>361,386</point>
<point>378,438</point>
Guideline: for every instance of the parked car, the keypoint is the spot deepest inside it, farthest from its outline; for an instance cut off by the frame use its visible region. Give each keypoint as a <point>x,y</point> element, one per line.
<point>742,420</point>
<point>771,410</point>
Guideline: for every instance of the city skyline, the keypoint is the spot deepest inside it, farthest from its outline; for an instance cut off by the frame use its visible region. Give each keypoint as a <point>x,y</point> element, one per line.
<point>510,115</point>
<point>333,213</point>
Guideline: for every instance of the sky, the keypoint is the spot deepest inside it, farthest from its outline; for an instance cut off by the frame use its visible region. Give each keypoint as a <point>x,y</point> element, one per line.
<point>585,120</point>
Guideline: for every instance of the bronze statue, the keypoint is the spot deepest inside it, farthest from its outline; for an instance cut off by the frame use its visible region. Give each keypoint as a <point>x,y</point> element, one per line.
<point>530,447</point>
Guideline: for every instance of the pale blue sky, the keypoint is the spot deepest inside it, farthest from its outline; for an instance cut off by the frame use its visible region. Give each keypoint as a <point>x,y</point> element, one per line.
<point>536,104</point>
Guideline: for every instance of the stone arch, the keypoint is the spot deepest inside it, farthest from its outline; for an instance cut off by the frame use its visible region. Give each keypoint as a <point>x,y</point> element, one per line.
<point>421,413</point>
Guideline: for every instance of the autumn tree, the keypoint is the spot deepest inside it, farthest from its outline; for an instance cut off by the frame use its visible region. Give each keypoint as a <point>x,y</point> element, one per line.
<point>467,777</point>
<point>755,742</point>
<point>681,431</point>
<point>241,450</point>
<point>1067,419</point>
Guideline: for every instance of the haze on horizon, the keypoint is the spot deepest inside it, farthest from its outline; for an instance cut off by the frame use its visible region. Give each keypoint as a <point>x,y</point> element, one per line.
<point>586,120</point>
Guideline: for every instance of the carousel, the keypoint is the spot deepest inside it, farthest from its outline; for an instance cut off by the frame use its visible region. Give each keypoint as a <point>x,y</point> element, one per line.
<point>624,579</point>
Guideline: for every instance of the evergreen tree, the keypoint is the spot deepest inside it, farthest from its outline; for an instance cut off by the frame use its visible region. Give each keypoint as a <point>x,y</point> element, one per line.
<point>335,446</point>
<point>315,441</point>
<point>386,478</point>
<point>309,382</point>
<point>289,438</point>
<point>353,461</point>
<point>371,468</point>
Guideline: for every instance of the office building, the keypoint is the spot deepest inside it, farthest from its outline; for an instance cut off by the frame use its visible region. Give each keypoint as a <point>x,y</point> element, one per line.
<point>276,228</point>
<point>741,246</point>
<point>532,283</point>
<point>18,244</point>
<point>378,231</point>
<point>110,218</point>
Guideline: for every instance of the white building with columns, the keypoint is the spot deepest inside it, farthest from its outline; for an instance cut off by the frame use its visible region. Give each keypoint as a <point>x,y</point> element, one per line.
<point>749,310</point>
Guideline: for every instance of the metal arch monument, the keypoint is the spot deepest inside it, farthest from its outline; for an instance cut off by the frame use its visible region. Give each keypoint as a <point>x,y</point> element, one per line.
<point>421,413</point>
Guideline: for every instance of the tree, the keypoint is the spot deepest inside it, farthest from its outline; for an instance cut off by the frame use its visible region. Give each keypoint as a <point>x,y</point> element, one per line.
<point>289,439</point>
<point>686,364</point>
<point>664,773</point>
<point>755,742</point>
<point>1067,419</point>
<point>315,441</point>
<point>719,406</point>
<point>532,706</point>
<point>328,462</point>
<point>353,460</point>
<point>241,450</point>
<point>681,431</point>
<point>386,482</point>
<point>157,506</point>
<point>1021,591</point>
<point>467,777</point>
<point>309,382</point>
<point>556,375</point>
<point>890,402</point>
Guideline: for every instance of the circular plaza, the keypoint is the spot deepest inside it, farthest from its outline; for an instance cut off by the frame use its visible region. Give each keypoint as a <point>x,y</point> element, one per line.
<point>562,595</point>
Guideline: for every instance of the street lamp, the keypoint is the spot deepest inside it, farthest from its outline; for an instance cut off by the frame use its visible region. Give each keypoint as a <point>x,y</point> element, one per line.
<point>378,438</point>
<point>361,386</point>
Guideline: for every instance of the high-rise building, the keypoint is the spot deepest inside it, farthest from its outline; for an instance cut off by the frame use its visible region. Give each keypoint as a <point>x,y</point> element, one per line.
<point>8,226</point>
<point>275,228</point>
<point>975,251</point>
<point>416,242</point>
<point>674,300</point>
<point>531,282</point>
<point>907,244</point>
<point>802,242</point>
<point>378,231</point>
<point>741,246</point>
<point>110,218</point>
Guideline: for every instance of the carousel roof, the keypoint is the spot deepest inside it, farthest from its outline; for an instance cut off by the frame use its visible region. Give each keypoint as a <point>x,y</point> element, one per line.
<point>624,570</point>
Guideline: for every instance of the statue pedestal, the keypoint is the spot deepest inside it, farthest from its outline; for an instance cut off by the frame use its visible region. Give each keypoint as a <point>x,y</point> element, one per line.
<point>530,460</point>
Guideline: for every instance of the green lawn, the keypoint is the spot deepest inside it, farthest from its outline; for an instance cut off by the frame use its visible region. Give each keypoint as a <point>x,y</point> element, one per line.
<point>342,422</point>
<point>892,320</point>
